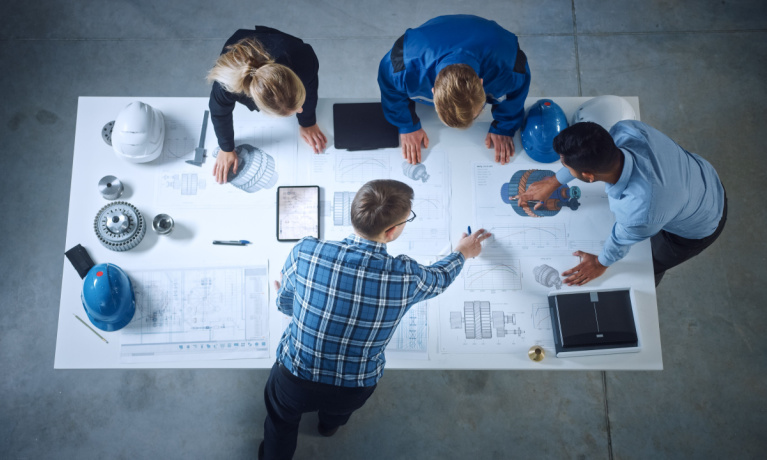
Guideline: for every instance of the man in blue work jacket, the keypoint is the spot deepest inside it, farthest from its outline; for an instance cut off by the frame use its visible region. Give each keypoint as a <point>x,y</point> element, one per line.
<point>655,188</point>
<point>458,64</point>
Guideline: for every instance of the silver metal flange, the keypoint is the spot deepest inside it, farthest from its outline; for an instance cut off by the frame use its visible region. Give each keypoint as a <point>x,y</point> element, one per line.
<point>119,226</point>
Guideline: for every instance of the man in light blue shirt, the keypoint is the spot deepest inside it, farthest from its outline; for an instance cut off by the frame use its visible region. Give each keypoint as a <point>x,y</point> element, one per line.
<point>655,188</point>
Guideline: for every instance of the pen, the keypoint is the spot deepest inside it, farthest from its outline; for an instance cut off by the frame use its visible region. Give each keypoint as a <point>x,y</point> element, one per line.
<point>232,242</point>
<point>469,230</point>
<point>93,330</point>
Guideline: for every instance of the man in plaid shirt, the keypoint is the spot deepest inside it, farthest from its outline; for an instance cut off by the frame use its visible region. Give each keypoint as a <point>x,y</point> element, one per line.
<point>346,298</point>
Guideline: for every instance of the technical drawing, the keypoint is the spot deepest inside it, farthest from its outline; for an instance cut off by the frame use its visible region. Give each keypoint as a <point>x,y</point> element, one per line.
<point>590,246</point>
<point>361,167</point>
<point>548,236</point>
<point>220,313</point>
<point>519,183</point>
<point>185,183</point>
<point>415,172</point>
<point>493,274</point>
<point>500,320</point>
<point>178,142</point>
<point>256,169</point>
<point>541,316</point>
<point>428,208</point>
<point>478,321</point>
<point>342,208</point>
<point>412,333</point>
<point>548,276</point>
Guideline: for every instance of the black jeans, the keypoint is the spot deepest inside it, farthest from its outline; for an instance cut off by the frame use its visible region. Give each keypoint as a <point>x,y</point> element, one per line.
<point>287,397</point>
<point>669,250</point>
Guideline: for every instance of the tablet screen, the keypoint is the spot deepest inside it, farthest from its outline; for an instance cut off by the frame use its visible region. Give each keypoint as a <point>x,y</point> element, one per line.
<point>298,212</point>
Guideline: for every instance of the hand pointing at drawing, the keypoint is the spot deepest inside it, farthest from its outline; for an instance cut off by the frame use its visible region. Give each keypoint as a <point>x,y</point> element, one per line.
<point>471,245</point>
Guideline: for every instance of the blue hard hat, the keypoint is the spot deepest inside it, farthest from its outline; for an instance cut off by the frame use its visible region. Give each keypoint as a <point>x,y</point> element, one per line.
<point>544,121</point>
<point>108,297</point>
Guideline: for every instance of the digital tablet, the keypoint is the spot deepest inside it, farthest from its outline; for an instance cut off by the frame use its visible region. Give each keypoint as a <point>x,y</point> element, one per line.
<point>362,126</point>
<point>298,212</point>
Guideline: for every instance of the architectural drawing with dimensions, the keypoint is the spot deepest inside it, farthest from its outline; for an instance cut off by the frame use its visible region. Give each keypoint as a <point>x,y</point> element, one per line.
<point>192,314</point>
<point>340,174</point>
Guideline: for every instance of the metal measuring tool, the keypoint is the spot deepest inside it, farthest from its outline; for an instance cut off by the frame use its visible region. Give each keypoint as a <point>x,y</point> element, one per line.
<point>199,152</point>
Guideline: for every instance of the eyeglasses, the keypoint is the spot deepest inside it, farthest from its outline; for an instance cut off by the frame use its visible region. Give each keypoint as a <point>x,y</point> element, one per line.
<point>404,222</point>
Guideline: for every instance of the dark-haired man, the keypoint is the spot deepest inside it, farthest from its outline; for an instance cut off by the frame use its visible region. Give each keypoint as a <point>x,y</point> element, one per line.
<point>346,298</point>
<point>656,190</point>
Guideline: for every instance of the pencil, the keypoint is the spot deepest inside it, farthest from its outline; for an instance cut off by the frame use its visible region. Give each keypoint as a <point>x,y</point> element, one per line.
<point>93,330</point>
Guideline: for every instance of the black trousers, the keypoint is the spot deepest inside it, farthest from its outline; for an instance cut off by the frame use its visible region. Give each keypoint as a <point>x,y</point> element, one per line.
<point>287,397</point>
<point>669,250</point>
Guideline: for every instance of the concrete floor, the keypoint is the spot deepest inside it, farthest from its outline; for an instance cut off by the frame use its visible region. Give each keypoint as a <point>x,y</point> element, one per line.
<point>699,68</point>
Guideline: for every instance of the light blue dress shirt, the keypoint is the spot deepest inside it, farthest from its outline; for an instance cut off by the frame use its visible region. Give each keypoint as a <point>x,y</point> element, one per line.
<point>662,187</point>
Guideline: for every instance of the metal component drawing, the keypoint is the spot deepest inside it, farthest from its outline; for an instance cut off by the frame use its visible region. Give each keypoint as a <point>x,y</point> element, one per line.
<point>415,172</point>
<point>564,196</point>
<point>110,187</point>
<point>256,169</point>
<point>342,208</point>
<point>478,321</point>
<point>475,321</point>
<point>500,321</point>
<point>119,226</point>
<point>547,276</point>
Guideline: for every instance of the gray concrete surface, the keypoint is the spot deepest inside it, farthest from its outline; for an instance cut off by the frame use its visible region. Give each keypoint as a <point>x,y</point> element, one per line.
<point>699,69</point>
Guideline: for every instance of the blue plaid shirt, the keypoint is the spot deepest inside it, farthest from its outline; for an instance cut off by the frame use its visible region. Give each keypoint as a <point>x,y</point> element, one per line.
<point>346,298</point>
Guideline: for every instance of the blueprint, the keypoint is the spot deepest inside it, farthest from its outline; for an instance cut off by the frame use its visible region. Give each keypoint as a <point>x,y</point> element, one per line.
<point>575,217</point>
<point>411,338</point>
<point>178,184</point>
<point>340,174</point>
<point>193,314</point>
<point>494,324</point>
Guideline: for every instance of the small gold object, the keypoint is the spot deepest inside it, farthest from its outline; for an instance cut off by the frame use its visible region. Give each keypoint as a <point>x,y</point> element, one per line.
<point>536,353</point>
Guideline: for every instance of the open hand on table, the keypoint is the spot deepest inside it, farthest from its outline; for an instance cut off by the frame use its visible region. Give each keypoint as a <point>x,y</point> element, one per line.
<point>589,269</point>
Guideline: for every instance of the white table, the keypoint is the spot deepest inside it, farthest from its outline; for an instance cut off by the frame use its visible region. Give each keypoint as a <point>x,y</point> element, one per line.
<point>189,245</point>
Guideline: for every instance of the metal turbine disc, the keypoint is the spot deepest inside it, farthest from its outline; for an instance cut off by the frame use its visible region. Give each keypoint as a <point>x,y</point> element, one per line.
<point>106,132</point>
<point>119,226</point>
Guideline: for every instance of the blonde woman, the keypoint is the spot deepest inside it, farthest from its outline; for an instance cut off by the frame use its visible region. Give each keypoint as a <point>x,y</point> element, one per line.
<point>266,70</point>
<point>456,63</point>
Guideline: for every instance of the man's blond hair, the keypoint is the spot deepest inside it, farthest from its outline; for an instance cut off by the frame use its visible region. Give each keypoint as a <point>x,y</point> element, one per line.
<point>247,68</point>
<point>458,95</point>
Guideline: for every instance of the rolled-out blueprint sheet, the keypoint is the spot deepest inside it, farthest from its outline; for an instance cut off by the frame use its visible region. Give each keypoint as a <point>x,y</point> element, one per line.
<point>582,222</point>
<point>340,174</point>
<point>194,314</point>
<point>179,184</point>
<point>499,303</point>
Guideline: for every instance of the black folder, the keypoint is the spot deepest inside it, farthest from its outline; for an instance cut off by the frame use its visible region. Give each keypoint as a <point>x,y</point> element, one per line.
<point>595,322</point>
<point>362,126</point>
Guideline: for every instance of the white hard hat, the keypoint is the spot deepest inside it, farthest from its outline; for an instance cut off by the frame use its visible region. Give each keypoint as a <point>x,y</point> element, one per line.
<point>138,133</point>
<point>605,111</point>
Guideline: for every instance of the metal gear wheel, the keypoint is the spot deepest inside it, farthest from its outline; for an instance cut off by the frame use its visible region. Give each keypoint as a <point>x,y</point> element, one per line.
<point>119,226</point>
<point>256,170</point>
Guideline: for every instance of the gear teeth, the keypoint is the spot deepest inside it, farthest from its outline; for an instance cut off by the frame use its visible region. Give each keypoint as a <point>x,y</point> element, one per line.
<point>123,241</point>
<point>257,170</point>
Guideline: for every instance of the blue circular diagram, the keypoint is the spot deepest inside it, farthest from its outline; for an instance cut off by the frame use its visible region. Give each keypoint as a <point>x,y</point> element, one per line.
<point>564,196</point>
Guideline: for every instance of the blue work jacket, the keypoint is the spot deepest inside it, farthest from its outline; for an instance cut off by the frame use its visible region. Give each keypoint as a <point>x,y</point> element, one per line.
<point>407,72</point>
